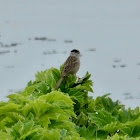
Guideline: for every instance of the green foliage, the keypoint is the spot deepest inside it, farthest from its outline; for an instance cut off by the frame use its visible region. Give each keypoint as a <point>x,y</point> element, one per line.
<point>41,113</point>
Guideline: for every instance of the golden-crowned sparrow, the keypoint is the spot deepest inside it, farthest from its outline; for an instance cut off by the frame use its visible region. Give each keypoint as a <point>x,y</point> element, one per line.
<point>71,66</point>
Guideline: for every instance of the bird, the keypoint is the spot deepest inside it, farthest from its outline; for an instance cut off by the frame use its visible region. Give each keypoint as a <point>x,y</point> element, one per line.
<point>71,66</point>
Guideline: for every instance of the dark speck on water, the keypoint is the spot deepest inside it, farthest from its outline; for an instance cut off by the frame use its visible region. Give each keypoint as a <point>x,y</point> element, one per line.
<point>3,52</point>
<point>51,39</point>
<point>138,78</point>
<point>129,97</point>
<point>15,51</point>
<point>9,45</point>
<point>6,45</point>
<point>114,66</point>
<point>1,44</point>
<point>44,39</point>
<point>117,60</point>
<point>14,44</point>
<point>127,93</point>
<point>123,65</point>
<point>10,66</point>
<point>138,64</point>
<point>49,52</point>
<point>92,49</point>
<point>68,41</point>
<point>40,38</point>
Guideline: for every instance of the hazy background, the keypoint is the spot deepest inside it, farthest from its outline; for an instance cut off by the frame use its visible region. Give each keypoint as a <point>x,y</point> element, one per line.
<point>38,35</point>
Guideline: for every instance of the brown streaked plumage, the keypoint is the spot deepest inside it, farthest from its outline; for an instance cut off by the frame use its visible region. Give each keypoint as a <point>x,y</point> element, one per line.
<point>71,66</point>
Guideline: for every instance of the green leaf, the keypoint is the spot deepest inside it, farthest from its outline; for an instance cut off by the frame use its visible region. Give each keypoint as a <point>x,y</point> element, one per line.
<point>28,91</point>
<point>32,132</point>
<point>53,134</point>
<point>102,118</point>
<point>85,78</point>
<point>81,119</point>
<point>43,87</point>
<point>54,105</point>
<point>26,110</point>
<point>64,124</point>
<point>128,115</point>
<point>130,127</point>
<point>136,131</point>
<point>15,116</point>
<point>115,137</point>
<point>10,107</point>
<point>18,99</point>
<point>78,94</point>
<point>41,76</point>
<point>5,136</point>
<point>73,138</point>
<point>24,130</point>
<point>111,127</point>
<point>27,127</point>
<point>88,133</point>
<point>37,137</point>
<point>52,77</point>
<point>17,129</point>
<point>110,105</point>
<point>56,97</point>
<point>3,103</point>
<point>126,130</point>
<point>85,82</point>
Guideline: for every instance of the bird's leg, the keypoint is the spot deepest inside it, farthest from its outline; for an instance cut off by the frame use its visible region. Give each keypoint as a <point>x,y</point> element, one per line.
<point>76,76</point>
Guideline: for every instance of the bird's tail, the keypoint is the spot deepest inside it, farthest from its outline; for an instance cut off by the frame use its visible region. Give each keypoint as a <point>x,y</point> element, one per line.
<point>58,83</point>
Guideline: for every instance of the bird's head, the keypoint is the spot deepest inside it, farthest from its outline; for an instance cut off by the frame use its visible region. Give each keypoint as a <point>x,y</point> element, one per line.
<point>75,52</point>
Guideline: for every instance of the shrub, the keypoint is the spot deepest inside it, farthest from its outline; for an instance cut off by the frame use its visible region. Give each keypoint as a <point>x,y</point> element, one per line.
<point>41,113</point>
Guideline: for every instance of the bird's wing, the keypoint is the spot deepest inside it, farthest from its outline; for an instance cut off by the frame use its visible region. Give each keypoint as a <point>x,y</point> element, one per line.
<point>70,63</point>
